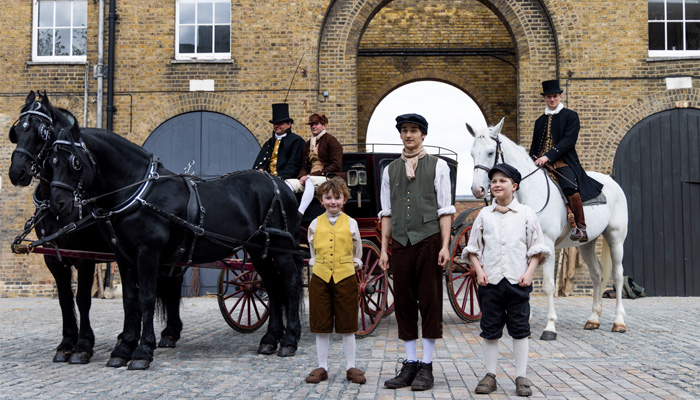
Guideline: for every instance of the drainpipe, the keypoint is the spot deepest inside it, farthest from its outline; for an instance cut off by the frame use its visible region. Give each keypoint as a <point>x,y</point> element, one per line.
<point>110,62</point>
<point>99,68</point>
<point>86,93</point>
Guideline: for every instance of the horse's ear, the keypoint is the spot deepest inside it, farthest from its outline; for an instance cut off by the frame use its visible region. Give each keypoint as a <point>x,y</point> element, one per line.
<point>45,99</point>
<point>30,97</point>
<point>470,129</point>
<point>13,135</point>
<point>497,129</point>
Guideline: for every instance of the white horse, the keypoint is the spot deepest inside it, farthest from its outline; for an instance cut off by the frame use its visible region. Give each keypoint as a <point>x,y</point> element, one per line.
<point>540,193</point>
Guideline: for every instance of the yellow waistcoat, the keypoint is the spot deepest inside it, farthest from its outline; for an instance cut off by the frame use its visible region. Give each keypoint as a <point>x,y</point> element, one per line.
<point>333,247</point>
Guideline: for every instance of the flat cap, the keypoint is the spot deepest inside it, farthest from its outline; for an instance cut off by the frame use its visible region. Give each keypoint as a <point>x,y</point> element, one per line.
<point>507,170</point>
<point>412,119</point>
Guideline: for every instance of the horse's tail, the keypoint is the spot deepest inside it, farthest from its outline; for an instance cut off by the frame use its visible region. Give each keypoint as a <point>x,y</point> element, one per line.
<point>605,264</point>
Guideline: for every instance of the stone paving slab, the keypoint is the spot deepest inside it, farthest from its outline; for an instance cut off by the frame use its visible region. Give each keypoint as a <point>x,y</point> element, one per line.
<point>658,358</point>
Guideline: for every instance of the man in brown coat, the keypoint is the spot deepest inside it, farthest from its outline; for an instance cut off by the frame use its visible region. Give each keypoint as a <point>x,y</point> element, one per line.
<point>322,155</point>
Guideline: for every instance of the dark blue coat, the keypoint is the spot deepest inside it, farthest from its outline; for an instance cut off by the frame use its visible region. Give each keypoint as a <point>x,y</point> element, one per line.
<point>565,127</point>
<point>289,155</point>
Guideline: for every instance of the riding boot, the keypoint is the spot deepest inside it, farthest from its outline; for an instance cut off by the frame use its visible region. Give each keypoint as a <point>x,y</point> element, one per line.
<point>579,234</point>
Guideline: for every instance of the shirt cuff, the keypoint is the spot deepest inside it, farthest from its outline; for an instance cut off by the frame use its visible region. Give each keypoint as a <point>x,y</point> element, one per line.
<point>446,210</point>
<point>540,248</point>
<point>385,213</point>
<point>357,262</point>
<point>312,260</point>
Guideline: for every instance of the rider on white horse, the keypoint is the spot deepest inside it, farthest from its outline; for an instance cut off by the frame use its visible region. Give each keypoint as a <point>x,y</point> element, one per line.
<point>553,141</point>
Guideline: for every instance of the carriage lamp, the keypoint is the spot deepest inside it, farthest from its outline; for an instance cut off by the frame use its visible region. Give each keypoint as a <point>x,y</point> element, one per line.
<point>357,175</point>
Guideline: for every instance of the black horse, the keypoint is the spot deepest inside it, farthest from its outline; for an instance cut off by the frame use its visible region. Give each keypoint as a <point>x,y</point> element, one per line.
<point>157,217</point>
<point>34,133</point>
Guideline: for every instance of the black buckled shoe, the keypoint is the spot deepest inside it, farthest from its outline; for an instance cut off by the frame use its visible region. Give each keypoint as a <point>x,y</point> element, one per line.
<point>424,378</point>
<point>405,377</point>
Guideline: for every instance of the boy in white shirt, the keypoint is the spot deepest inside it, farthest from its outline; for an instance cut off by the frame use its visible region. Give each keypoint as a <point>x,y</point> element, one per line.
<point>505,247</point>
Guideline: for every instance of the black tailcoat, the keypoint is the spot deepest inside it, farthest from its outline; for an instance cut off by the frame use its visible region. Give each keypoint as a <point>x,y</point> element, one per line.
<point>289,155</point>
<point>565,127</point>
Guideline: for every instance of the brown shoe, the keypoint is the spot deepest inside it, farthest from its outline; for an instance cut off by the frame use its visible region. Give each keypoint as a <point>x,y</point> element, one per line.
<point>486,385</point>
<point>523,386</point>
<point>355,375</point>
<point>317,375</point>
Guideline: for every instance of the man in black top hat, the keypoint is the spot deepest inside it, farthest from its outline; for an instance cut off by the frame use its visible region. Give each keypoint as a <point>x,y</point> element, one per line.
<point>281,155</point>
<point>553,142</point>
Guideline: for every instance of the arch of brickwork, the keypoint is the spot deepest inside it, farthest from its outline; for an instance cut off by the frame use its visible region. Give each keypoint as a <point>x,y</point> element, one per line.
<point>419,75</point>
<point>526,20</point>
<point>633,114</point>
<point>198,101</point>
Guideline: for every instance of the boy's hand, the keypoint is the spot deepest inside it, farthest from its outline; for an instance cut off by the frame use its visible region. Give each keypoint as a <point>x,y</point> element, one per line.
<point>481,278</point>
<point>443,256</point>
<point>526,279</point>
<point>384,261</point>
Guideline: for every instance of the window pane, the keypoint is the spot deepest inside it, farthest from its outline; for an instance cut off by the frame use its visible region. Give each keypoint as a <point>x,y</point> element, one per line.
<point>205,13</point>
<point>656,36</point>
<point>692,35</point>
<point>187,13</point>
<point>79,42</point>
<point>187,39</point>
<point>204,39</point>
<point>46,13</point>
<point>80,13</point>
<point>674,9</point>
<point>44,42</point>
<point>692,9</point>
<point>63,13</point>
<point>62,45</point>
<point>222,13</point>
<point>656,9</point>
<point>675,36</point>
<point>222,39</point>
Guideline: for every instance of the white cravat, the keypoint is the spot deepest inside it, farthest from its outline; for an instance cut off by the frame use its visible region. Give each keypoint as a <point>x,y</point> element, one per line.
<point>547,111</point>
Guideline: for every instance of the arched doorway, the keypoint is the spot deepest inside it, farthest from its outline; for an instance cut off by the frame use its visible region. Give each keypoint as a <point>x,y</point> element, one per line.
<point>209,144</point>
<point>658,166</point>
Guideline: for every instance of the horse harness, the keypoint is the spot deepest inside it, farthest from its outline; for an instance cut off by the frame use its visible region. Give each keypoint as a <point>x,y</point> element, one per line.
<point>46,131</point>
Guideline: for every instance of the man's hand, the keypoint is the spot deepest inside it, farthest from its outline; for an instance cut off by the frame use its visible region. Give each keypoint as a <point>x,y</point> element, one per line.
<point>303,179</point>
<point>443,256</point>
<point>384,261</point>
<point>541,161</point>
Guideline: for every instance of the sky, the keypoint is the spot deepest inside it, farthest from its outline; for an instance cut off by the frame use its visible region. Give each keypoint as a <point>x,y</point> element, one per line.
<point>446,109</point>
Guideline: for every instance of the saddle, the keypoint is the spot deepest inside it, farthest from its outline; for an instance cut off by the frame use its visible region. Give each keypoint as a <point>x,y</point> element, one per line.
<point>596,201</point>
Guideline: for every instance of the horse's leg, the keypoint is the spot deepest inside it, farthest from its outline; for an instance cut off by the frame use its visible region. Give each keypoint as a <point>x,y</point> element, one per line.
<point>147,265</point>
<point>82,352</point>
<point>169,292</point>
<point>616,244</point>
<point>290,270</point>
<point>128,339</point>
<point>595,270</point>
<point>550,331</point>
<point>62,275</point>
<point>272,281</point>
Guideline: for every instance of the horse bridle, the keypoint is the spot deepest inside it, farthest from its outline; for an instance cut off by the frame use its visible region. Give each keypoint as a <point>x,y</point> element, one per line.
<point>499,151</point>
<point>45,131</point>
<point>76,163</point>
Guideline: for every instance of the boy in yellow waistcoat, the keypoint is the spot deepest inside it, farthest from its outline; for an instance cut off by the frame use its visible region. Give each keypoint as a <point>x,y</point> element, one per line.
<point>336,250</point>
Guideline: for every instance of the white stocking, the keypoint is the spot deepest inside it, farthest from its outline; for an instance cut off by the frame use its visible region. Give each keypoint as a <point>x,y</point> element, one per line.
<point>490,355</point>
<point>322,340</point>
<point>411,352</point>
<point>520,353</point>
<point>308,195</point>
<point>349,349</point>
<point>428,349</point>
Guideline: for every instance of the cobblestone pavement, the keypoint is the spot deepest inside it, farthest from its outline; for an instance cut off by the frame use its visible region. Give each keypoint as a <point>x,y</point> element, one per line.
<point>659,357</point>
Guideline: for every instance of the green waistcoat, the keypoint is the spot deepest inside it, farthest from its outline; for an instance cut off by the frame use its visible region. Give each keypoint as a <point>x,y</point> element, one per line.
<point>413,204</point>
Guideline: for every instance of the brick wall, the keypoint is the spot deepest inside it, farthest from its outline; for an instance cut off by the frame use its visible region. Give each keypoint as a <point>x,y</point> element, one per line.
<point>599,49</point>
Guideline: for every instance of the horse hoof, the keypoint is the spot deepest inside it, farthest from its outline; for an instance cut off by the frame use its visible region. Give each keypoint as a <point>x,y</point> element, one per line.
<point>591,325</point>
<point>139,365</point>
<point>80,358</point>
<point>621,328</point>
<point>267,349</point>
<point>548,335</point>
<point>116,362</point>
<point>167,342</point>
<point>61,356</point>
<point>286,351</point>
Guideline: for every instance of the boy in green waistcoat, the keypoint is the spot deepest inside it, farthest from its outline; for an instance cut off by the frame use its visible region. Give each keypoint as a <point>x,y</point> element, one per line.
<point>336,250</point>
<point>416,198</point>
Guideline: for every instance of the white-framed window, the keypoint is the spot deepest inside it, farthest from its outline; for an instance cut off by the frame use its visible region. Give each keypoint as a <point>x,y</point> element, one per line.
<point>203,30</point>
<point>674,28</point>
<point>59,30</point>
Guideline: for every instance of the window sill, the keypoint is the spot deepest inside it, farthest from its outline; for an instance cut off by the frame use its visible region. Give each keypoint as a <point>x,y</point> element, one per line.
<point>64,62</point>
<point>202,61</point>
<point>667,58</point>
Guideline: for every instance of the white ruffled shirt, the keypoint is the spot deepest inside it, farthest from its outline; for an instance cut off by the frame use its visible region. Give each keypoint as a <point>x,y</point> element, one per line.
<point>356,239</point>
<point>547,111</point>
<point>505,243</point>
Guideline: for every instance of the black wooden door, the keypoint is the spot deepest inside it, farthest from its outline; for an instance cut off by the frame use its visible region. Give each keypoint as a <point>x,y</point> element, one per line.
<point>206,144</point>
<point>658,166</point>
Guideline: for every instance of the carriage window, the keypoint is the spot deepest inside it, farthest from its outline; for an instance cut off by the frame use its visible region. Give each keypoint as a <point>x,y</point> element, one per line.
<point>674,28</point>
<point>203,30</point>
<point>60,30</point>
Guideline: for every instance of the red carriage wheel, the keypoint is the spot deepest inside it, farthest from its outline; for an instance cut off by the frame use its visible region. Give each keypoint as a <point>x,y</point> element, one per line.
<point>390,295</point>
<point>461,279</point>
<point>242,297</point>
<point>372,287</point>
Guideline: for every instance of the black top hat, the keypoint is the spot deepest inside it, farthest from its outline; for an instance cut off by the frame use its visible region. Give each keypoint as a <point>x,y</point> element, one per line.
<point>412,119</point>
<point>508,170</point>
<point>551,87</point>
<point>280,113</point>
